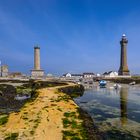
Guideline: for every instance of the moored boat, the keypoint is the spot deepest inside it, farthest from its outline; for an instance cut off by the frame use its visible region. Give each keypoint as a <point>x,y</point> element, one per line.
<point>102,83</point>
<point>117,86</point>
<point>132,83</point>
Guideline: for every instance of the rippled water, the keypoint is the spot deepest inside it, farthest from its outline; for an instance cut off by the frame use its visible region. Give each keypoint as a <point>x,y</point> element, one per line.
<point>115,112</point>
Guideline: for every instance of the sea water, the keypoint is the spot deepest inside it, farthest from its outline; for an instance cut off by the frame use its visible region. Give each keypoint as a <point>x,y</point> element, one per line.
<point>116,113</point>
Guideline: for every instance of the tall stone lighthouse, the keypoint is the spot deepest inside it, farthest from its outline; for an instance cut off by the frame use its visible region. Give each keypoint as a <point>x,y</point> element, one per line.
<point>123,61</point>
<point>37,72</point>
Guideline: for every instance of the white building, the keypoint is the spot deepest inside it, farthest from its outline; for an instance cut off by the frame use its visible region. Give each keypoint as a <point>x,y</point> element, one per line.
<point>110,74</point>
<point>88,75</point>
<point>4,71</point>
<point>98,75</point>
<point>67,75</point>
<point>76,75</point>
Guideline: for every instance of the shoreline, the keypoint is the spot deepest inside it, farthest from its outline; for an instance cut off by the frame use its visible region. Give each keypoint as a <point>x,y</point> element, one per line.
<point>88,122</point>
<point>92,130</point>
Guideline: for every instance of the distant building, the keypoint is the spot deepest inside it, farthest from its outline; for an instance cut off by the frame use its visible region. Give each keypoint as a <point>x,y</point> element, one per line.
<point>98,75</point>
<point>49,75</point>
<point>77,75</point>
<point>15,75</point>
<point>4,71</point>
<point>110,74</point>
<point>69,75</point>
<point>88,75</point>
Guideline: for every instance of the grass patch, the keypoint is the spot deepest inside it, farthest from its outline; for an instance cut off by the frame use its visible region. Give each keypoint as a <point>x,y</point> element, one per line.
<point>75,138</point>
<point>23,90</point>
<point>69,133</point>
<point>69,123</point>
<point>12,136</point>
<point>45,107</point>
<point>66,122</point>
<point>3,119</point>
<point>59,109</point>
<point>24,118</point>
<point>73,126</point>
<point>37,120</point>
<point>70,114</point>
<point>63,98</point>
<point>73,91</point>
<point>25,112</point>
<point>53,104</point>
<point>32,132</point>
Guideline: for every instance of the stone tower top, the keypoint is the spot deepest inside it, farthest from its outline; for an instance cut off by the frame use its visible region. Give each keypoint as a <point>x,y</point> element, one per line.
<point>124,40</point>
<point>36,47</point>
<point>123,35</point>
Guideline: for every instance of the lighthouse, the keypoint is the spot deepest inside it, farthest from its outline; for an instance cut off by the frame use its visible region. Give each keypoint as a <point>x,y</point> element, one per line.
<point>123,70</point>
<point>37,72</point>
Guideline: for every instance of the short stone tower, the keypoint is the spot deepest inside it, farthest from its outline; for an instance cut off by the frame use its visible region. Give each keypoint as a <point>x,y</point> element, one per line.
<point>37,72</point>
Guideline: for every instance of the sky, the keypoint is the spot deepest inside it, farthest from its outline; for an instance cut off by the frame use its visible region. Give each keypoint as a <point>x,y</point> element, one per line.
<point>73,35</point>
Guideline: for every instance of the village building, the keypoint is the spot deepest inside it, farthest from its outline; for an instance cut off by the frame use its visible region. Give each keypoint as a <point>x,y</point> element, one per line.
<point>98,75</point>
<point>69,75</point>
<point>110,74</point>
<point>15,75</point>
<point>77,75</point>
<point>4,71</point>
<point>88,75</point>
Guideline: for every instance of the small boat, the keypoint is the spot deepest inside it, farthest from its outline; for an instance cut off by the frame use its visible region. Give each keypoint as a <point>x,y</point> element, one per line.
<point>117,86</point>
<point>102,83</point>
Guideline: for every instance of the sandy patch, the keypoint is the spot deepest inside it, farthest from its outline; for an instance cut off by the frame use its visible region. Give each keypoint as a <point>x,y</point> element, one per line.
<point>40,119</point>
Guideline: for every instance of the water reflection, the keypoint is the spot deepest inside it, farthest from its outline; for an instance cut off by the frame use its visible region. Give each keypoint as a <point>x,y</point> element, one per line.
<point>123,105</point>
<point>115,112</point>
